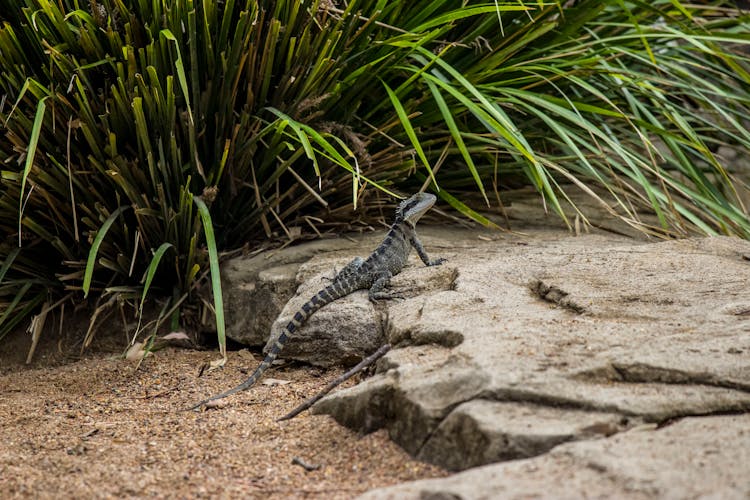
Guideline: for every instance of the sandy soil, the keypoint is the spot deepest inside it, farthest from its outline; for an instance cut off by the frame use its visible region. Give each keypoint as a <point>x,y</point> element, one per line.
<point>96,427</point>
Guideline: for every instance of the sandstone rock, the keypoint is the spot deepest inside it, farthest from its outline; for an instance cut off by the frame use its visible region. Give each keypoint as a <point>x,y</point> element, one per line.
<point>590,324</point>
<point>704,457</point>
<point>254,298</point>
<point>257,288</point>
<point>543,345</point>
<point>481,432</point>
<point>341,333</point>
<point>263,293</point>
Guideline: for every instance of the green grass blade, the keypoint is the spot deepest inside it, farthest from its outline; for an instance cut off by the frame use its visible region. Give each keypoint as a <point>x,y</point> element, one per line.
<point>16,300</point>
<point>213,259</point>
<point>151,271</point>
<point>180,67</point>
<point>100,234</point>
<point>446,112</point>
<point>9,321</point>
<point>9,259</point>
<point>182,78</point>
<point>30,154</point>
<point>406,123</point>
<point>461,206</point>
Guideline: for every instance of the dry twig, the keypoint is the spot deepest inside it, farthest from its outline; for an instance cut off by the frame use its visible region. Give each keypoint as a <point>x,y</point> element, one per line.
<point>343,378</point>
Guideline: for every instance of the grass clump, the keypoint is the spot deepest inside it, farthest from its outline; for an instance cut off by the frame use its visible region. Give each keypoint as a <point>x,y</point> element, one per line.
<point>117,114</point>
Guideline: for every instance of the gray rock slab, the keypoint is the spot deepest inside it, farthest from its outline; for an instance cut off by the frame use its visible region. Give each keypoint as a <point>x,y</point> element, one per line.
<point>254,297</point>
<point>339,334</point>
<point>524,345</point>
<point>480,431</point>
<point>256,288</point>
<point>264,291</point>
<point>596,324</point>
<point>704,457</point>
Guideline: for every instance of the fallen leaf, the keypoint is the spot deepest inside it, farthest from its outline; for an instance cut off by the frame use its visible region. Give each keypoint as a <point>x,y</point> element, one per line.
<point>135,352</point>
<point>176,336</point>
<point>246,354</point>
<point>275,381</point>
<point>213,365</point>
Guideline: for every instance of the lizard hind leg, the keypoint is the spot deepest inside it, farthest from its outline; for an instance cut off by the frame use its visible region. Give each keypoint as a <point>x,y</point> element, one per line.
<point>348,270</point>
<point>351,268</point>
<point>377,290</point>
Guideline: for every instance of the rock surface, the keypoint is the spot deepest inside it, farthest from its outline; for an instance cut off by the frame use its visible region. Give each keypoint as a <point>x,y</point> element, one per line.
<point>546,345</point>
<point>343,334</point>
<point>703,457</point>
<point>264,291</point>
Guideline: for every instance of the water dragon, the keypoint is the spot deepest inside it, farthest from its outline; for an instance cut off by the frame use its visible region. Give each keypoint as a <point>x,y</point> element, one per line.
<point>373,273</point>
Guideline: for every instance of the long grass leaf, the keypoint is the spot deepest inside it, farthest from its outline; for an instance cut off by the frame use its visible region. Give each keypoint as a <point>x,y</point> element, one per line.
<point>10,321</point>
<point>10,257</point>
<point>151,271</point>
<point>456,134</point>
<point>30,154</point>
<point>406,123</point>
<point>213,260</point>
<point>100,235</point>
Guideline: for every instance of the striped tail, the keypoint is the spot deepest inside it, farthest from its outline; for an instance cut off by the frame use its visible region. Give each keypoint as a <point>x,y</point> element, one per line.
<point>327,295</point>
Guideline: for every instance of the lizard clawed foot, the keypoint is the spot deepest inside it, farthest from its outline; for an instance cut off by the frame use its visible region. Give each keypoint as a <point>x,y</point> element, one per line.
<point>376,297</point>
<point>437,262</point>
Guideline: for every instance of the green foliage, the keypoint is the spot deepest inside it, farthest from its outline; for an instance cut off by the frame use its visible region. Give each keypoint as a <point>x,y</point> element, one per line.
<point>213,259</point>
<point>117,113</point>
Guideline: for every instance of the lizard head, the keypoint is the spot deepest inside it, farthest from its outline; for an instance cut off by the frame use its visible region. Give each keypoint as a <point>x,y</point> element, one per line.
<point>411,209</point>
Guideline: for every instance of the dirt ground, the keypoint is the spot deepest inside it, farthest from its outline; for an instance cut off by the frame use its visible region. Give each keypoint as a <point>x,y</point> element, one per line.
<point>96,427</point>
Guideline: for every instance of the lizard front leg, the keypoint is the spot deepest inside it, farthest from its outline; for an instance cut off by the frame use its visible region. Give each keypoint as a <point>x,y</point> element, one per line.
<point>423,253</point>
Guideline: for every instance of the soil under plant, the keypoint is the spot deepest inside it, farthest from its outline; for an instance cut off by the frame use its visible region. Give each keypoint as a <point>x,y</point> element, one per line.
<point>95,426</point>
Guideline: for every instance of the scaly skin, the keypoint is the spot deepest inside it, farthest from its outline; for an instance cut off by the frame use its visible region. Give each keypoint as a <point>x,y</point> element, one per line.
<point>373,274</point>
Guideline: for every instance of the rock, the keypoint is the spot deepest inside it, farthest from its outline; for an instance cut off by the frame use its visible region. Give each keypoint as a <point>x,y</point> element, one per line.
<point>257,288</point>
<point>264,292</point>
<point>704,457</point>
<point>540,345</point>
<point>254,298</point>
<point>607,327</point>
<point>341,333</point>
<point>481,432</point>
<point>411,403</point>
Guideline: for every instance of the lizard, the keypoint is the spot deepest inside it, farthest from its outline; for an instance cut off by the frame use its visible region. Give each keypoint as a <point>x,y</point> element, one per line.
<point>373,274</point>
